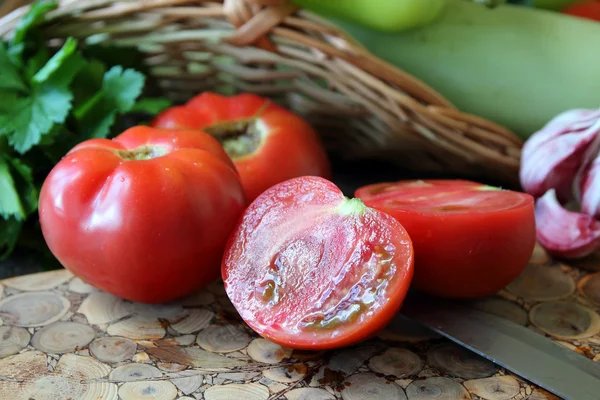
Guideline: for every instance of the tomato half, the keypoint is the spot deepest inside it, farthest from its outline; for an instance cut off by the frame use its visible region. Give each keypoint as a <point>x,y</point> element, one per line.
<point>144,216</point>
<point>470,240</point>
<point>310,269</point>
<point>267,142</point>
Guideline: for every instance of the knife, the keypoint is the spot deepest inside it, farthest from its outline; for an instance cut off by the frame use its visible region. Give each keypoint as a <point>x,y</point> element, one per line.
<point>533,357</point>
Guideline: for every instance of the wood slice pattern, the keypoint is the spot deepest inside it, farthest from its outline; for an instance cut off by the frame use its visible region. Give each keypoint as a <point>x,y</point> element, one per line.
<point>13,339</point>
<point>437,388</point>
<point>62,338</point>
<point>495,388</point>
<point>113,349</point>
<point>542,283</point>
<point>456,361</point>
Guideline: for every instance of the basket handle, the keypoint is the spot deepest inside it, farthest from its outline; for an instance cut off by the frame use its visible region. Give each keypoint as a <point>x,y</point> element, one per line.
<point>254,19</point>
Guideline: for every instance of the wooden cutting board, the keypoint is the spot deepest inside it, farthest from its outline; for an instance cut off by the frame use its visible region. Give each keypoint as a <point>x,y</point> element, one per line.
<point>63,339</point>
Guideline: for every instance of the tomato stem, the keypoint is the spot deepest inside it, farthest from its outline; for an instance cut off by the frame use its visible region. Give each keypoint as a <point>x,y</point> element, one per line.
<point>352,206</point>
<point>488,187</point>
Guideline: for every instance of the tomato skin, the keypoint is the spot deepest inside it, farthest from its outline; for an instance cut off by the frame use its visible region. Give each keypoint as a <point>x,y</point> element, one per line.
<point>145,230</point>
<point>462,254</point>
<point>309,269</point>
<point>290,147</point>
<point>588,10</point>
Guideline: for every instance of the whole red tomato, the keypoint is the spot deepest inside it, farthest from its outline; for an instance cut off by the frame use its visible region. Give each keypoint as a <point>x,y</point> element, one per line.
<point>310,269</point>
<point>267,143</point>
<point>144,216</point>
<point>587,10</point>
<point>470,240</point>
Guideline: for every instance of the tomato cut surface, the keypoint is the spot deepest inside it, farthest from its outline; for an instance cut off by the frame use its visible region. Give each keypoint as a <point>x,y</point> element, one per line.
<point>310,269</point>
<point>470,240</point>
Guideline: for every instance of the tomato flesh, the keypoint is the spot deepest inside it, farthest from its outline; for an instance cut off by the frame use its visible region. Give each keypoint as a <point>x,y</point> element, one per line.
<point>470,240</point>
<point>310,269</point>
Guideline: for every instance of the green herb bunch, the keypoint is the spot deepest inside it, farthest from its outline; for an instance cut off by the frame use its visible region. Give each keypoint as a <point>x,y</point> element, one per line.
<point>52,98</point>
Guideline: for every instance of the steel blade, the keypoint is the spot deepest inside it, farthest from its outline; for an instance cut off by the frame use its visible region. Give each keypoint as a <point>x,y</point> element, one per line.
<point>541,361</point>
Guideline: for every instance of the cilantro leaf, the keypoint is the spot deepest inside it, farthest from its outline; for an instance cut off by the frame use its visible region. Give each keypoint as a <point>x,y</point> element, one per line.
<point>9,75</point>
<point>88,82</point>
<point>36,62</point>
<point>23,178</point>
<point>27,119</point>
<point>118,93</point>
<point>10,202</point>
<point>10,229</point>
<point>96,116</point>
<point>102,126</point>
<point>34,17</point>
<point>14,54</point>
<point>151,105</point>
<point>33,116</point>
<point>6,106</point>
<point>18,198</point>
<point>63,66</point>
<point>123,87</point>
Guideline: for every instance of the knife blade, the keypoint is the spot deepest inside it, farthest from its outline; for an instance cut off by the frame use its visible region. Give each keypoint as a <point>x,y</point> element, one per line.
<point>533,357</point>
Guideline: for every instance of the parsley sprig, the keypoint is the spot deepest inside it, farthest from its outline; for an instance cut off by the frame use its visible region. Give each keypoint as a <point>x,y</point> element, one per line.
<point>50,100</point>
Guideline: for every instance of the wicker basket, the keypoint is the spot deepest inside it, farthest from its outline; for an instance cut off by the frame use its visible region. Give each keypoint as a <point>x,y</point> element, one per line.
<point>362,106</point>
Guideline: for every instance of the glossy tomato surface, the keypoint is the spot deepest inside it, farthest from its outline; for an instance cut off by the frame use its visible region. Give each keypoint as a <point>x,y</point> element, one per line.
<point>470,240</point>
<point>144,216</point>
<point>588,10</point>
<point>310,269</point>
<point>267,142</point>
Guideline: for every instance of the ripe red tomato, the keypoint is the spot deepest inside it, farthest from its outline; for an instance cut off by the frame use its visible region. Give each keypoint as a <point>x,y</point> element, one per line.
<point>267,143</point>
<point>470,239</point>
<point>310,269</point>
<point>588,10</point>
<point>144,216</point>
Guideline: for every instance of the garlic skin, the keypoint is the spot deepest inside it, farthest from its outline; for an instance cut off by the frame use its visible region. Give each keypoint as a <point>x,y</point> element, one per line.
<point>552,157</point>
<point>589,196</point>
<point>565,233</point>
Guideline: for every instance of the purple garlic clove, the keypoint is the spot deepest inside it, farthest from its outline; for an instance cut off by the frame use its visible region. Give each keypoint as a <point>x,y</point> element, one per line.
<point>552,157</point>
<point>589,196</point>
<point>565,233</point>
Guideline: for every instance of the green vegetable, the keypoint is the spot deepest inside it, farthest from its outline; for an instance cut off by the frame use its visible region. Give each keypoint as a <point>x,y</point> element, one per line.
<point>515,65</point>
<point>555,5</point>
<point>383,15</point>
<point>52,99</point>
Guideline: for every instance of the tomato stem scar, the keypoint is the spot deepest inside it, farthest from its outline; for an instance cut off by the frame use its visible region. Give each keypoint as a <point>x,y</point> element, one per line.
<point>239,137</point>
<point>146,152</point>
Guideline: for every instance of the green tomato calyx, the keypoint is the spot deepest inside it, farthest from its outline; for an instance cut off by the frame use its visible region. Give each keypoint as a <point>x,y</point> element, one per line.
<point>352,206</point>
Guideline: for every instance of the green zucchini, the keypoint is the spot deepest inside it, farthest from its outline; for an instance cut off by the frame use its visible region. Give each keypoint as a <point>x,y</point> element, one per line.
<point>381,15</point>
<point>514,65</point>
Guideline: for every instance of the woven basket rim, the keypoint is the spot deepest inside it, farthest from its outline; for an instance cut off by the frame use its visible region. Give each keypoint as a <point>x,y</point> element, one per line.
<point>388,110</point>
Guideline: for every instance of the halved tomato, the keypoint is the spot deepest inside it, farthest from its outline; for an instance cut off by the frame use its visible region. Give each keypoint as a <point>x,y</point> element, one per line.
<point>311,269</point>
<point>470,239</point>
